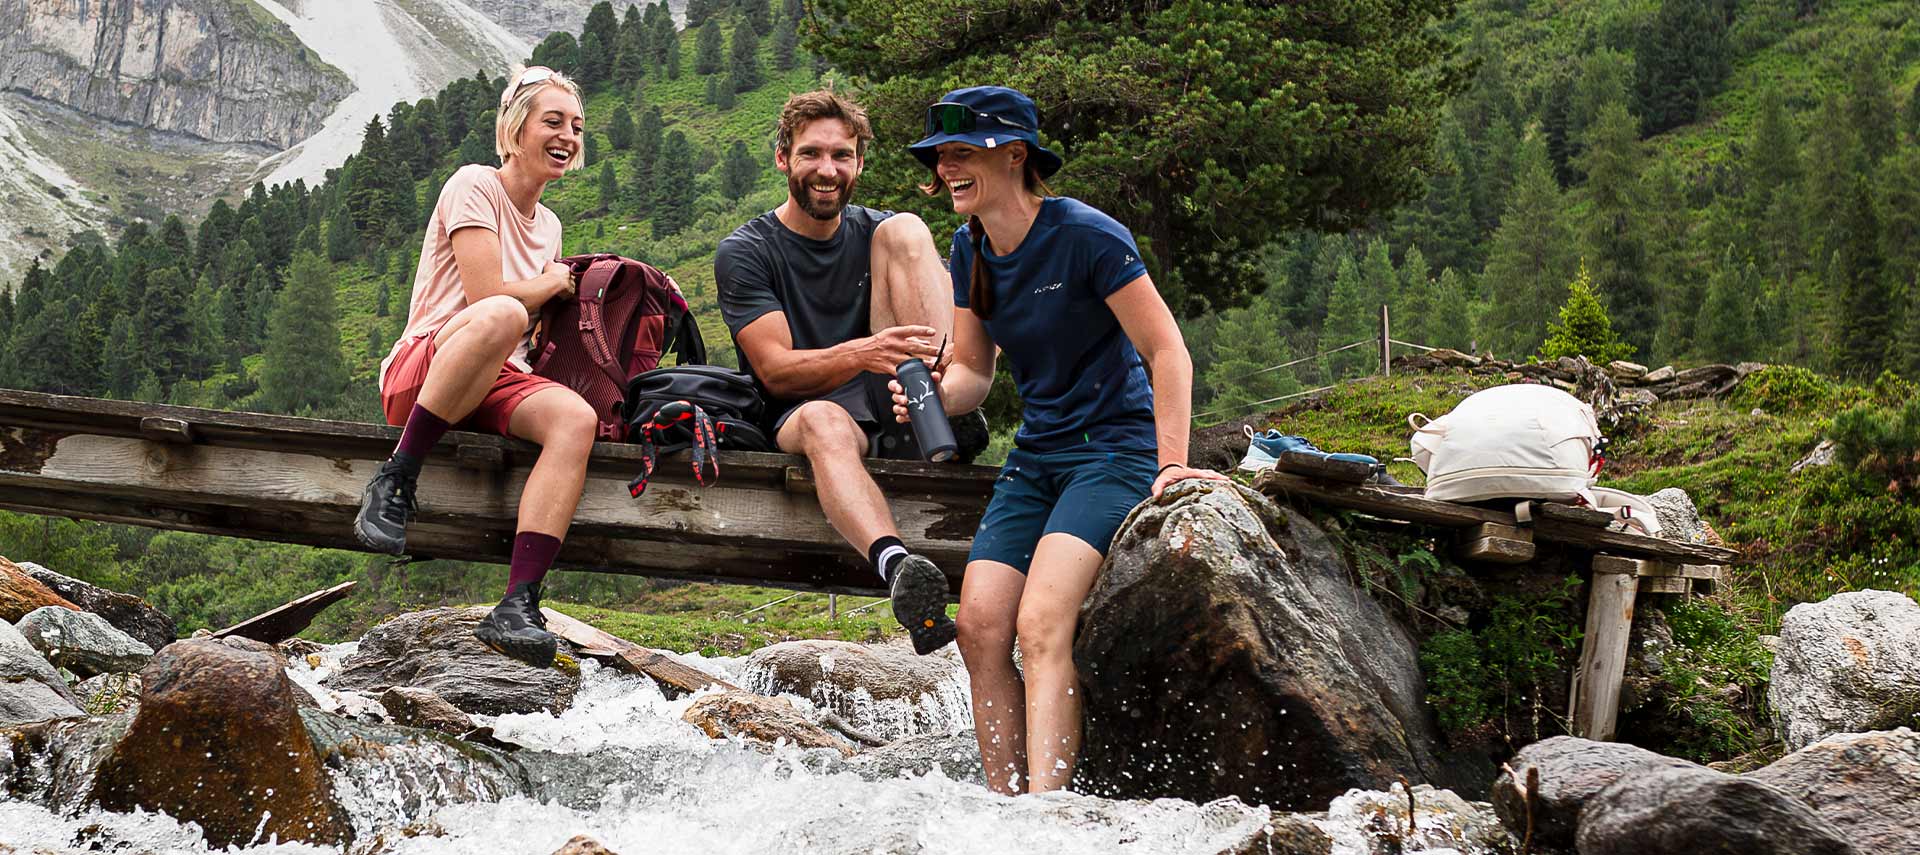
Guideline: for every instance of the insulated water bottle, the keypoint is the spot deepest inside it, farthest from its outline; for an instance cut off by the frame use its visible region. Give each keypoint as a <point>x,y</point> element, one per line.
<point>925,412</point>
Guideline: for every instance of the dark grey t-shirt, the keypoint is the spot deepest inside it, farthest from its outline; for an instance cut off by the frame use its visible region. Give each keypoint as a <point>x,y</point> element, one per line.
<point>822,285</point>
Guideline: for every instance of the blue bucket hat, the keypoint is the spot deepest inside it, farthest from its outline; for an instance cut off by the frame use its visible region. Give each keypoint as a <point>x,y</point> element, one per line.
<point>985,116</point>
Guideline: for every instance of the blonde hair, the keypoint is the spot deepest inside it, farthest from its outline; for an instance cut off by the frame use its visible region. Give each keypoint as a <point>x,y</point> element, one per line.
<point>821,104</point>
<point>516,102</point>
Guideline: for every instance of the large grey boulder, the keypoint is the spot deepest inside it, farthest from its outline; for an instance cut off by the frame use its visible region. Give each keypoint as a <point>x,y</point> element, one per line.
<point>30,690</point>
<point>1225,651</point>
<point>1692,809</point>
<point>1679,518</point>
<point>106,694</point>
<point>436,650</point>
<point>82,642</point>
<point>126,612</point>
<point>1848,664</point>
<point>1866,784</point>
<point>1571,772</point>
<point>882,689</point>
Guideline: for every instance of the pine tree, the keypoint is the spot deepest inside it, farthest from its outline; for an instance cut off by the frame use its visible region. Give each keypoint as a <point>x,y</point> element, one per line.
<point>1773,153</point>
<point>1833,157</point>
<point>609,187</point>
<point>303,369</point>
<point>165,333</point>
<point>173,235</point>
<point>1911,118</point>
<point>723,91</point>
<point>590,153</point>
<point>1530,258</point>
<point>699,12</point>
<point>744,65</point>
<point>260,299</point>
<point>786,43</point>
<point>758,15</point>
<point>1726,326</point>
<point>1907,347</point>
<point>1353,314</point>
<point>559,51</point>
<point>1680,59</point>
<point>630,49</point>
<point>1239,378</point>
<point>706,52</point>
<point>120,359</point>
<point>477,148</point>
<point>1450,319</point>
<point>1553,124</point>
<point>1583,328</point>
<point>1870,108</point>
<point>382,299</point>
<point>673,56</point>
<point>661,40</point>
<point>597,42</point>
<point>1899,185</point>
<point>673,186</point>
<point>342,243</point>
<point>738,172</point>
<point>620,129</point>
<point>1413,304</point>
<point>1612,238</point>
<point>1860,282</point>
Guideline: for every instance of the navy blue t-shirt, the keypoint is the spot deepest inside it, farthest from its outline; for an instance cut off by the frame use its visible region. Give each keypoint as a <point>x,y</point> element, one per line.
<point>1080,380</point>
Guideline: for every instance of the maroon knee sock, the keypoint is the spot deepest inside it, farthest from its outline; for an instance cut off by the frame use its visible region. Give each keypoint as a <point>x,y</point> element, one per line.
<point>533,554</point>
<point>422,431</point>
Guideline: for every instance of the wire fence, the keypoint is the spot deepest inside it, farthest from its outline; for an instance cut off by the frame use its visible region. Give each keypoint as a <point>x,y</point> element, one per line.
<point>1384,342</point>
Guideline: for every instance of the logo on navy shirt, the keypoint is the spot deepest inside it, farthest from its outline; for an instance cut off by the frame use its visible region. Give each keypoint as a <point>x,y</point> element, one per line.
<point>1044,288</point>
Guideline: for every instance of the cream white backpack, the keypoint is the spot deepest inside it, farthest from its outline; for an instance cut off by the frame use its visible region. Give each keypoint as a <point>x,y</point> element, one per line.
<point>1522,442</point>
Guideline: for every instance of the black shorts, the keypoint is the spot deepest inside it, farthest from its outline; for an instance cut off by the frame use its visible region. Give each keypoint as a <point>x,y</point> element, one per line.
<point>868,401</point>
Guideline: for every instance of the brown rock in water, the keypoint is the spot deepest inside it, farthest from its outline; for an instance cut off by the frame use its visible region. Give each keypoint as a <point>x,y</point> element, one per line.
<point>1866,784</point>
<point>218,741</point>
<point>844,677</point>
<point>759,718</point>
<point>435,649</point>
<point>126,612</point>
<point>583,845</point>
<point>20,593</point>
<point>416,707</point>
<point>1225,651</point>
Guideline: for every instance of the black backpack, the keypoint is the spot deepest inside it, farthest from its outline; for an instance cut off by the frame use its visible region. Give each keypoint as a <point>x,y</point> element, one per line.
<point>694,407</point>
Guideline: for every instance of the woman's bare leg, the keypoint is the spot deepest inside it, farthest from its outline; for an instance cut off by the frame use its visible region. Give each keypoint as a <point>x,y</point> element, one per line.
<point>1063,571</point>
<point>989,602</point>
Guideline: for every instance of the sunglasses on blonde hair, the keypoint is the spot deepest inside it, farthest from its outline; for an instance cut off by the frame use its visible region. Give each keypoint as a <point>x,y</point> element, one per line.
<point>529,77</point>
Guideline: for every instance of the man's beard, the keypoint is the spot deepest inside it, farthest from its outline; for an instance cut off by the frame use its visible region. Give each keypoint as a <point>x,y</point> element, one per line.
<point>819,210</point>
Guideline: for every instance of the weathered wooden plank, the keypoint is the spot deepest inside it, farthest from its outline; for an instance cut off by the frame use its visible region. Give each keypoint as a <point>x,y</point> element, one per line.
<point>1655,567</point>
<point>1665,585</point>
<point>1419,509</point>
<point>730,531</point>
<point>1497,543</point>
<point>286,621</point>
<point>1571,514</point>
<point>1323,467</point>
<point>629,657</point>
<point>1603,654</point>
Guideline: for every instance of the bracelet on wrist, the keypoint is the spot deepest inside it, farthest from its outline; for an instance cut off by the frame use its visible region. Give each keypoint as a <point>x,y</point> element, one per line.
<point>1165,466</point>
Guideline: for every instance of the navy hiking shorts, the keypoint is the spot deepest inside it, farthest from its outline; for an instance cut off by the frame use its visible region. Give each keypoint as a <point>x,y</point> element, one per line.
<point>1087,494</point>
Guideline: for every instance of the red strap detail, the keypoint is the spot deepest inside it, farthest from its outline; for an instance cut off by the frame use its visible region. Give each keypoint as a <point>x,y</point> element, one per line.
<point>593,327</point>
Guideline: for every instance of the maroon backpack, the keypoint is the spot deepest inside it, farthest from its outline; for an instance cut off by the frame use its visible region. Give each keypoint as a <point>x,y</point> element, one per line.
<point>625,318</point>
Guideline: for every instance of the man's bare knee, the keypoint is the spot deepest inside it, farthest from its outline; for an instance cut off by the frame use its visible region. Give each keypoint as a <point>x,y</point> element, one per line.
<point>823,428</point>
<point>905,236</point>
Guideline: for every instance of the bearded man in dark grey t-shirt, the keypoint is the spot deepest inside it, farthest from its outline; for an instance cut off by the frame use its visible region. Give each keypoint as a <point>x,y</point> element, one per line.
<point>824,299</point>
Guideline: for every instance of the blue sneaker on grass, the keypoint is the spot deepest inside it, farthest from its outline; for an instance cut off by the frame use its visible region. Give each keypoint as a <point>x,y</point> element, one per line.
<point>1264,450</point>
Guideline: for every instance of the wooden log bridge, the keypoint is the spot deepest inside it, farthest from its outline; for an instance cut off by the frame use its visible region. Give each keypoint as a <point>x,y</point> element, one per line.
<point>299,480</point>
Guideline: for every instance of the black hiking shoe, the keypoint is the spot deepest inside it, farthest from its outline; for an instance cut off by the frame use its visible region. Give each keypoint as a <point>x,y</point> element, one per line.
<point>386,506</point>
<point>920,604</point>
<point>970,436</point>
<point>516,629</point>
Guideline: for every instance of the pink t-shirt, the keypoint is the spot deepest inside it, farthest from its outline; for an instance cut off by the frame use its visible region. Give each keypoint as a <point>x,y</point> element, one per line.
<point>474,196</point>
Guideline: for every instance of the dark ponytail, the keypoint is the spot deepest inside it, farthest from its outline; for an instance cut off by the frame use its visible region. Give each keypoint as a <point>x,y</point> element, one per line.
<point>980,286</point>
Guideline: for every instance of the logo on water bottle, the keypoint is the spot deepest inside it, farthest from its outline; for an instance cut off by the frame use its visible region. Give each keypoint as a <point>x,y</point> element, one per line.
<point>919,402</point>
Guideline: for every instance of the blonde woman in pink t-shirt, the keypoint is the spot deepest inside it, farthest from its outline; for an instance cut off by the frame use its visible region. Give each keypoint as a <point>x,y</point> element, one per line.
<point>488,263</point>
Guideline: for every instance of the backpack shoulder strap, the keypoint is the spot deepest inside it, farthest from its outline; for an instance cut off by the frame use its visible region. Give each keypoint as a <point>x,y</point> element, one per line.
<point>601,275</point>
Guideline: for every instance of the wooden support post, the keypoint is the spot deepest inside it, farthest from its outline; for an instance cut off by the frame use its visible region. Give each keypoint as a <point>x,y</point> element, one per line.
<point>1497,543</point>
<point>1603,652</point>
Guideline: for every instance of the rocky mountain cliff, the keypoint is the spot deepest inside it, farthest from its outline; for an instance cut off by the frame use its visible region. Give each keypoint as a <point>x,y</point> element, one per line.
<point>219,70</point>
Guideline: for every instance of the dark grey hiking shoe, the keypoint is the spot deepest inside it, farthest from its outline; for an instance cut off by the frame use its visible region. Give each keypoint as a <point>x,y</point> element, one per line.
<point>515,628</point>
<point>920,604</point>
<point>386,506</point>
<point>970,436</point>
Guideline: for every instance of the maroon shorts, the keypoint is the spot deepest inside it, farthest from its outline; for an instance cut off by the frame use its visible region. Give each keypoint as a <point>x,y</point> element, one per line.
<point>408,371</point>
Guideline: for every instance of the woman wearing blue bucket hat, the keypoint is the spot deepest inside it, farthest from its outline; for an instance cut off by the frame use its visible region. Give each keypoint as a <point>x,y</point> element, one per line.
<point>1059,287</point>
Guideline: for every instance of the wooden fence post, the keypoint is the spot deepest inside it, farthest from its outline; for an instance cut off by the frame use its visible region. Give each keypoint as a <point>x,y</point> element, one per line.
<point>1386,342</point>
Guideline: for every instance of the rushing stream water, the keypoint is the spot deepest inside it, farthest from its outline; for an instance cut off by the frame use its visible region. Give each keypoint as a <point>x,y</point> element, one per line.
<point>622,767</point>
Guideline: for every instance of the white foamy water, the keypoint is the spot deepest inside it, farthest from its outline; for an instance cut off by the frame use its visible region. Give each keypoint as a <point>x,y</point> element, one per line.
<point>622,767</point>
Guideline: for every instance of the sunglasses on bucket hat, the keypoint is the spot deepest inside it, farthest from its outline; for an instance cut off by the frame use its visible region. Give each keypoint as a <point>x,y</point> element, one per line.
<point>947,117</point>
